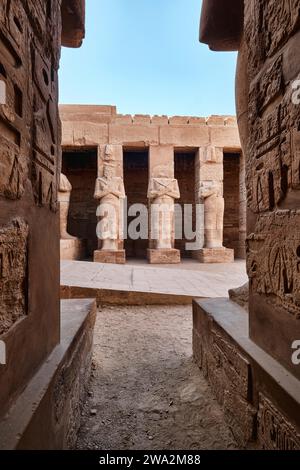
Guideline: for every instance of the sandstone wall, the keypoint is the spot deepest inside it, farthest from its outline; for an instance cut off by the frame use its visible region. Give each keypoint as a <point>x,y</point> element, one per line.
<point>30,166</point>
<point>269,121</point>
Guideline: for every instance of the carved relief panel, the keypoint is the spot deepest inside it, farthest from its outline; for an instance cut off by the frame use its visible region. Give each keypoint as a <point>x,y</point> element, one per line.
<point>13,273</point>
<point>273,151</point>
<point>29,47</point>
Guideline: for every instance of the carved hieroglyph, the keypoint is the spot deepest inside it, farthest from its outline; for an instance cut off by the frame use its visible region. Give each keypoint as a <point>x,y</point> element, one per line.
<point>275,432</point>
<point>210,194</point>
<point>162,192</point>
<point>64,196</point>
<point>273,152</point>
<point>29,121</point>
<point>110,191</point>
<point>13,273</point>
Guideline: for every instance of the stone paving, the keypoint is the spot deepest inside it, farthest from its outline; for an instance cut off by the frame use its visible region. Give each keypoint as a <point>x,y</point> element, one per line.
<point>189,279</point>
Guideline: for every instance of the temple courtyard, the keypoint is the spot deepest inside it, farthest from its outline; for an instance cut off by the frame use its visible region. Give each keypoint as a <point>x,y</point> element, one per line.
<point>146,391</point>
<point>138,283</point>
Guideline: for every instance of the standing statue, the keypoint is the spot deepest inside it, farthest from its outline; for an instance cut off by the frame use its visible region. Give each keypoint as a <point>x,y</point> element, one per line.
<point>64,196</point>
<point>210,194</point>
<point>109,190</point>
<point>162,192</point>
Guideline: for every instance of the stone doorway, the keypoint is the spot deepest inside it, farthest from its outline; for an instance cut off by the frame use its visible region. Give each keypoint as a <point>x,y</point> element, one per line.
<point>232,198</point>
<point>184,164</point>
<point>136,180</point>
<point>80,167</point>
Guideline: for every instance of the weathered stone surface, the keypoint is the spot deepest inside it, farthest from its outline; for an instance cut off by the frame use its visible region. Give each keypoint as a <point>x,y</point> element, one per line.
<point>163,256</point>
<point>275,432</point>
<point>240,295</point>
<point>260,397</point>
<point>73,22</point>
<point>215,255</point>
<point>47,414</point>
<point>110,256</point>
<point>13,273</point>
<point>268,116</point>
<point>222,24</point>
<point>30,43</point>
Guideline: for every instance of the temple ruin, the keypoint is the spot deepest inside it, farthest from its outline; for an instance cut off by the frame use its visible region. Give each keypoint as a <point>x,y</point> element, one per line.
<point>65,175</point>
<point>153,161</point>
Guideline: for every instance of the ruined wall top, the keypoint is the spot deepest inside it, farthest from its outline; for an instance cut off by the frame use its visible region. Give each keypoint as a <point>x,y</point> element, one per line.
<point>73,22</point>
<point>108,114</point>
<point>90,125</point>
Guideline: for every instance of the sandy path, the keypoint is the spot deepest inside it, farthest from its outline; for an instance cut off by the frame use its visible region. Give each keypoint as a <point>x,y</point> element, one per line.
<point>146,392</point>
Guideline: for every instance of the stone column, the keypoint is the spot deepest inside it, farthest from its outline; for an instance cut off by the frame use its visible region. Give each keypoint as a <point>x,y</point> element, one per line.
<point>71,248</point>
<point>110,192</point>
<point>210,194</point>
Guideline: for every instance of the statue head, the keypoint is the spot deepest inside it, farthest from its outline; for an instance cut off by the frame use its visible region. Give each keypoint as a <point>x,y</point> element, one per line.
<point>109,153</point>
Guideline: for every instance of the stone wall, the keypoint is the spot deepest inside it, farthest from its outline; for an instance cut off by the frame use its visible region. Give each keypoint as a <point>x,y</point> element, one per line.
<point>249,359</point>
<point>259,397</point>
<point>270,134</point>
<point>30,162</point>
<point>45,364</point>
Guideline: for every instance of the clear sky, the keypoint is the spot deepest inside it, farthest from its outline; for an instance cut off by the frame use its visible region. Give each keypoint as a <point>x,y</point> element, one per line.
<point>144,57</point>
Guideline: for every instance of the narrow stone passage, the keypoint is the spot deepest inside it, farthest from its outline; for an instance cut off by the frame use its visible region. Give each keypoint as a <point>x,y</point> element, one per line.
<point>145,391</point>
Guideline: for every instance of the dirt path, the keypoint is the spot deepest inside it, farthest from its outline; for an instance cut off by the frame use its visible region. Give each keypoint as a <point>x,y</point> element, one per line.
<point>146,392</point>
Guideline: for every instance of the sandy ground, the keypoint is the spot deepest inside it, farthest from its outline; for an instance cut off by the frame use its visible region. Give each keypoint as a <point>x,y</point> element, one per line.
<point>146,392</point>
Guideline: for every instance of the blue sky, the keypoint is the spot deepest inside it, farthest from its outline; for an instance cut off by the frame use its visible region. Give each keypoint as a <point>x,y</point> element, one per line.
<point>144,57</point>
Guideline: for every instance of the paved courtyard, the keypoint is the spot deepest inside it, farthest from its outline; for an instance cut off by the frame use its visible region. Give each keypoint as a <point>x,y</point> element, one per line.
<point>189,279</point>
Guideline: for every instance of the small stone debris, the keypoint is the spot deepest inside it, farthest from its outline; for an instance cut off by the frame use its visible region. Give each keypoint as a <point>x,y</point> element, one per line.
<point>93,412</point>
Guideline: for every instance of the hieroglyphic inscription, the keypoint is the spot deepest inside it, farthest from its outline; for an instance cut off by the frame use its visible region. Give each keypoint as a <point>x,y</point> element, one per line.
<point>275,432</point>
<point>13,273</point>
<point>14,123</point>
<point>273,152</point>
<point>273,261</point>
<point>233,364</point>
<point>29,124</point>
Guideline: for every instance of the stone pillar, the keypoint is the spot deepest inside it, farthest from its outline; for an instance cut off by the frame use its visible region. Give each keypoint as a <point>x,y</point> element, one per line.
<point>110,192</point>
<point>162,192</point>
<point>210,194</point>
<point>71,248</point>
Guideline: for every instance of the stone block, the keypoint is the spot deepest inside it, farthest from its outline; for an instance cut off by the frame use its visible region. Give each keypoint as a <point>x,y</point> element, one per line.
<point>163,256</point>
<point>260,398</point>
<point>161,156</point>
<point>110,256</point>
<point>226,137</point>
<point>215,120</point>
<point>47,414</point>
<point>184,136</point>
<point>175,120</point>
<point>135,135</point>
<point>160,120</point>
<point>215,255</point>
